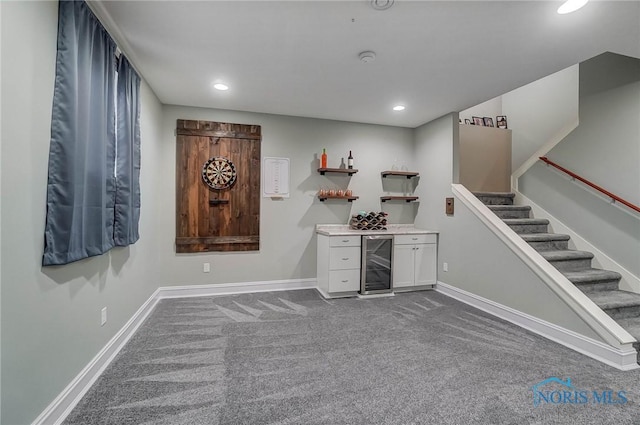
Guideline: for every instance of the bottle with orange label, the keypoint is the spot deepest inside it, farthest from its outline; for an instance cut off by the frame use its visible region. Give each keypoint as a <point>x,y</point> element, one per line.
<point>323,159</point>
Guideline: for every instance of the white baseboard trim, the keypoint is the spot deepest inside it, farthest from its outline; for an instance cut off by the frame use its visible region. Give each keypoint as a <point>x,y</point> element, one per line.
<point>64,403</point>
<point>235,288</point>
<point>384,295</point>
<point>622,359</point>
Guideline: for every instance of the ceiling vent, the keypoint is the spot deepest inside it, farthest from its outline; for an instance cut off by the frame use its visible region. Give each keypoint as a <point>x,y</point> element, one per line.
<point>381,4</point>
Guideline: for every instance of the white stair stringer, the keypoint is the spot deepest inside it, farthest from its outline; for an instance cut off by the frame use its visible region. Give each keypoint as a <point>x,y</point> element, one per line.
<point>601,323</point>
<point>628,282</point>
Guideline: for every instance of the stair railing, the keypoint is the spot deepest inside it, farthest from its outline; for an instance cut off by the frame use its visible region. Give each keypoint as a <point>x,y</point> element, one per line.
<point>573,175</point>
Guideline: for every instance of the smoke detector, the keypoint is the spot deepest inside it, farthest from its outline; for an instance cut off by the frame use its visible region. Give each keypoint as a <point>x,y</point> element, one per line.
<point>381,4</point>
<point>367,56</point>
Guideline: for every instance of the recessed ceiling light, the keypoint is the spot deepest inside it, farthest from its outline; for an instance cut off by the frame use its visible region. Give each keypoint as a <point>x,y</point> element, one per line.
<point>571,6</point>
<point>398,108</point>
<point>220,86</point>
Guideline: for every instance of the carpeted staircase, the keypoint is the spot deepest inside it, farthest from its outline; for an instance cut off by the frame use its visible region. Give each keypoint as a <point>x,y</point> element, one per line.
<point>601,286</point>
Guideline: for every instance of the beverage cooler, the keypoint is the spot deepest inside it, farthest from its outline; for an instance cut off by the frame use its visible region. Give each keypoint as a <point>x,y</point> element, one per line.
<point>377,255</point>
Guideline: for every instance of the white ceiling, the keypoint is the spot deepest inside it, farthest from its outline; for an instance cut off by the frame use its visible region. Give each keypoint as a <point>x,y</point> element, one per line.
<point>300,58</point>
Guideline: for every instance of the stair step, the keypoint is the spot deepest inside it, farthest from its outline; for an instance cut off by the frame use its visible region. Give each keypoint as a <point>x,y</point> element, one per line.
<point>511,211</point>
<point>617,304</point>
<point>527,225</point>
<point>495,198</point>
<point>594,279</point>
<point>547,241</point>
<point>568,260</point>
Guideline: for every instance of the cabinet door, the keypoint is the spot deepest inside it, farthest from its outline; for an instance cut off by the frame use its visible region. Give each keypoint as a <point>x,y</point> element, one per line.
<point>403,267</point>
<point>344,257</point>
<point>344,240</point>
<point>344,280</point>
<point>425,264</point>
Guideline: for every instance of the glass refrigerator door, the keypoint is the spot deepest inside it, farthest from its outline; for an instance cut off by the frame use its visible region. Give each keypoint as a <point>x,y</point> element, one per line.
<point>376,264</point>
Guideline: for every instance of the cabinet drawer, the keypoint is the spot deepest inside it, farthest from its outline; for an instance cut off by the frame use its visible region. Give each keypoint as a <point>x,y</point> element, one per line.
<point>344,240</point>
<point>414,239</point>
<point>344,280</point>
<point>346,257</point>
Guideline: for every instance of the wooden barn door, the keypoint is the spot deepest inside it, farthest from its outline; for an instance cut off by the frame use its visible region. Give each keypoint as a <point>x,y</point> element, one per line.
<point>217,219</point>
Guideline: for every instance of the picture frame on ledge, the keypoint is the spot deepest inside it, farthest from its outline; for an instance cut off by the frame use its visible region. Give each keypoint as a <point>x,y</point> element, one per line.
<point>477,121</point>
<point>467,121</point>
<point>488,121</point>
<point>501,122</point>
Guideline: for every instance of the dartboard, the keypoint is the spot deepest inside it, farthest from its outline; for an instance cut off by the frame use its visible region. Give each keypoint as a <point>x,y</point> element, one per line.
<point>219,173</point>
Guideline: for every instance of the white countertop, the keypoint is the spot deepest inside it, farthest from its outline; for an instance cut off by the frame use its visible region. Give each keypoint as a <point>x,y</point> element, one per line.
<point>392,229</point>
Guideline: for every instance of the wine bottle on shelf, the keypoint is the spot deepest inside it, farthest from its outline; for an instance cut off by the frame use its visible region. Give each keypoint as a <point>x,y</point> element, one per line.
<point>323,159</point>
<point>350,160</point>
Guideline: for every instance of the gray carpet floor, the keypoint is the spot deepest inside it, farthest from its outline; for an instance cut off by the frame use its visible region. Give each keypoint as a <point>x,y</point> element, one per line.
<point>294,358</point>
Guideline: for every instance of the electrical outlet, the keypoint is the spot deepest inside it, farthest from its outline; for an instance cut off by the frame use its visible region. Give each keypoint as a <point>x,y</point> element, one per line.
<point>206,268</point>
<point>103,316</point>
<point>445,267</point>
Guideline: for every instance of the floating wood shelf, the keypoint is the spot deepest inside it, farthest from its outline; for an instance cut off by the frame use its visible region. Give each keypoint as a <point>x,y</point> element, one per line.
<point>347,198</point>
<point>350,171</point>
<point>407,174</point>
<point>398,198</point>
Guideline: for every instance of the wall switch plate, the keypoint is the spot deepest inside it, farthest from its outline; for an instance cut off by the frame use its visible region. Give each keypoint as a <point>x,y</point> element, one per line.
<point>449,206</point>
<point>103,316</point>
<point>445,267</point>
<point>206,267</point>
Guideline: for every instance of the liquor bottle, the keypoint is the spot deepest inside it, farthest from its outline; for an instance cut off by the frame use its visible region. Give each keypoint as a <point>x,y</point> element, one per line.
<point>350,160</point>
<point>323,159</point>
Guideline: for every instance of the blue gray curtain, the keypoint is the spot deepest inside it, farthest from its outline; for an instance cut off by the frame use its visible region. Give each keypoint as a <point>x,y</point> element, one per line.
<point>127,202</point>
<point>80,187</point>
<point>85,214</point>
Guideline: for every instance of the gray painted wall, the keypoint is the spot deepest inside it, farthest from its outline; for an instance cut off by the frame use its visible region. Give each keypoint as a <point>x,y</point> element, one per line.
<point>471,250</point>
<point>51,317</point>
<point>0,223</point>
<point>287,238</point>
<point>605,148</point>
<point>540,110</point>
<point>433,155</point>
